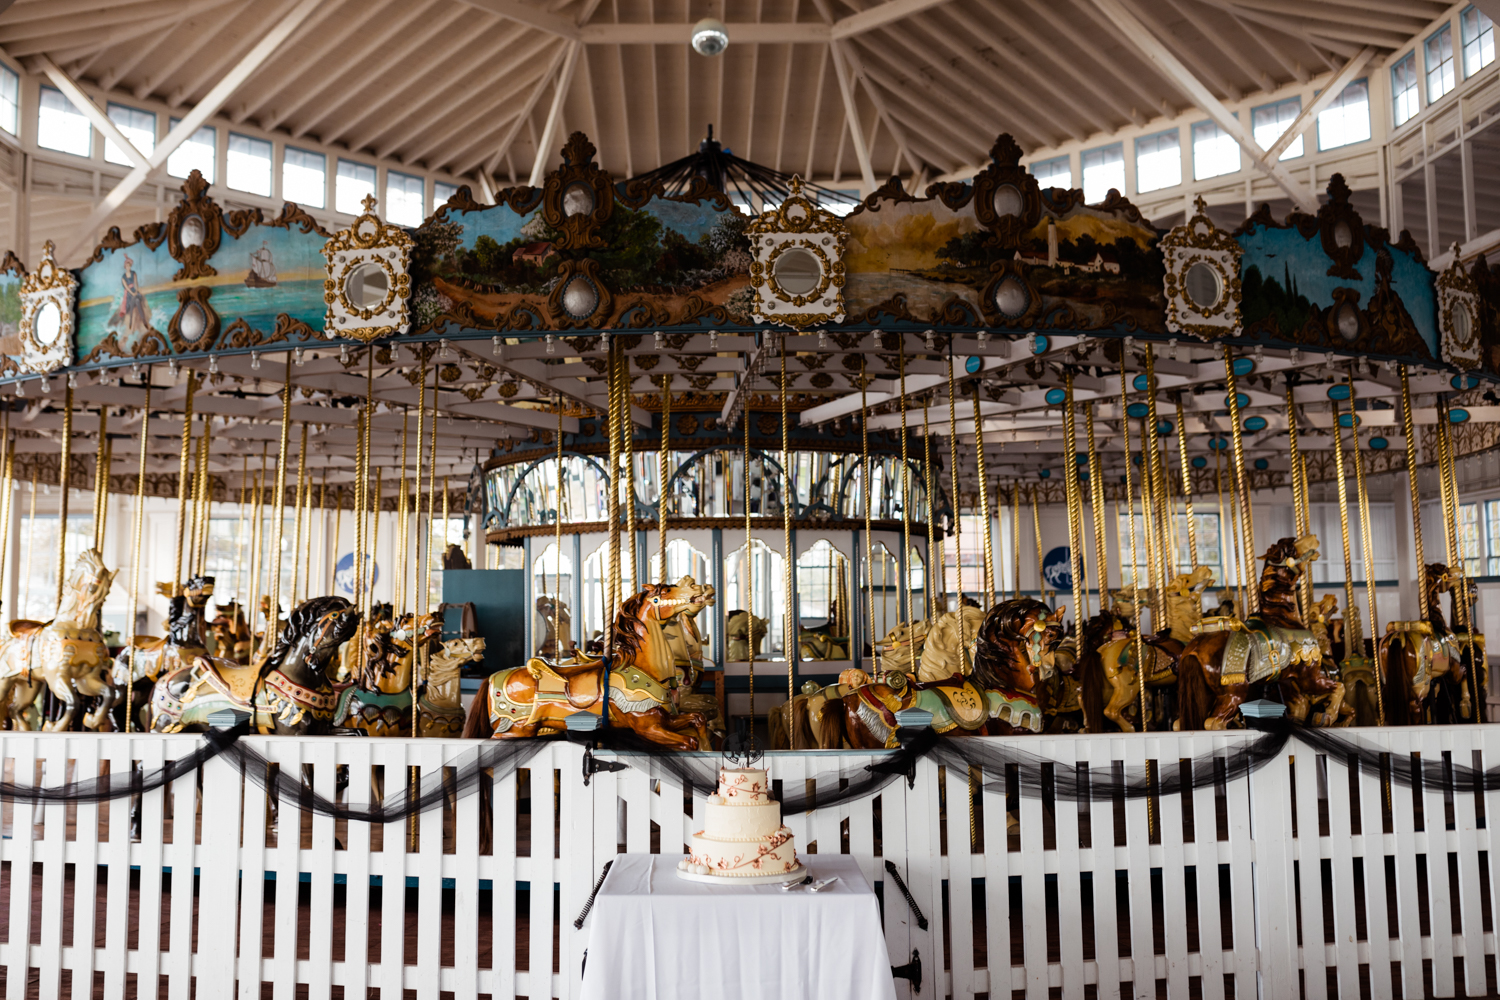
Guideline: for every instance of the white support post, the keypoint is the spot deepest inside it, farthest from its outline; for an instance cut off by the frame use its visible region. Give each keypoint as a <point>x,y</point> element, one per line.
<point>1172,69</point>
<point>554,114</point>
<point>190,123</point>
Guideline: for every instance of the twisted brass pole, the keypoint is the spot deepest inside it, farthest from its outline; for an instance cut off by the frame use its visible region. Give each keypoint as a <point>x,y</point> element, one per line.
<point>300,501</point>
<point>1075,505</point>
<point>984,495</point>
<point>137,554</point>
<point>1408,427</point>
<point>661,467</point>
<point>1300,518</point>
<point>792,638</point>
<point>182,480</point>
<point>1462,611</point>
<point>904,563</point>
<point>274,619</point>
<point>958,548</point>
<point>1187,485</point>
<point>612,579</point>
<point>101,475</point>
<point>65,460</point>
<point>1353,632</point>
<point>1366,544</point>
<point>1096,501</point>
<point>1135,565</point>
<point>1241,479</point>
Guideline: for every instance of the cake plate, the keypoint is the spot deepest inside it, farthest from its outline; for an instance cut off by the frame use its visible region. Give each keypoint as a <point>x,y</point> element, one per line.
<point>796,873</point>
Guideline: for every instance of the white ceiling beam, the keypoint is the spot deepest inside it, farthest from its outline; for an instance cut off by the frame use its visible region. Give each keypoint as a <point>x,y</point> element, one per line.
<point>532,17</point>
<point>1331,90</point>
<point>878,16</point>
<point>851,117</point>
<point>1178,75</point>
<point>426,152</point>
<point>525,113</point>
<point>85,104</point>
<point>190,123</point>
<point>554,117</point>
<point>184,51</point>
<point>1205,68</point>
<point>1126,80</point>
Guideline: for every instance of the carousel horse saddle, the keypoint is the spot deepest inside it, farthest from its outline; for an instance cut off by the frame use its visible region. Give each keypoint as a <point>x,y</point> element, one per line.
<point>1257,652</point>
<point>25,626</point>
<point>1216,623</point>
<point>576,684</point>
<point>234,682</point>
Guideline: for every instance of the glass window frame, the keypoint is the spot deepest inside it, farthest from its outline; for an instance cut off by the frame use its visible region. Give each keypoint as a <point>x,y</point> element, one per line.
<point>1157,138</point>
<point>338,184</point>
<point>1369,122</point>
<point>10,80</point>
<point>1083,170</point>
<point>1479,17</point>
<point>1408,96</point>
<point>1430,71</point>
<point>270,160</point>
<point>388,202</point>
<point>286,153</point>
<point>1220,134</point>
<point>123,159</point>
<point>1065,162</point>
<point>1298,147</point>
<point>41,101</point>
<point>213,168</point>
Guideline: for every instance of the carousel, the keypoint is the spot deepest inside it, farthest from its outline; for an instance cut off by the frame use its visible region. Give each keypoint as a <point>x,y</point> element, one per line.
<point>616,456</point>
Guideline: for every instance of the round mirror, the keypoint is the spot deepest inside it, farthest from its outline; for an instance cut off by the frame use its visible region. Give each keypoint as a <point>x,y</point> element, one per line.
<point>577,199</point>
<point>1458,316</point>
<point>1343,236</point>
<point>192,323</point>
<point>1011,298</point>
<point>190,234</point>
<point>1007,201</point>
<point>46,324</point>
<point>580,298</point>
<point>797,271</point>
<point>1347,321</point>
<point>367,286</point>
<point>1203,286</point>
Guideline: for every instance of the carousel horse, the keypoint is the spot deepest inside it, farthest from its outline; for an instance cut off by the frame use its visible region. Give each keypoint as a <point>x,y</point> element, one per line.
<point>940,657</point>
<point>375,696</point>
<point>439,706</point>
<point>737,629</point>
<point>286,691</point>
<point>1108,680</point>
<point>67,654</point>
<point>1016,648</point>
<point>231,633</point>
<point>1228,662</point>
<point>136,674</point>
<point>1426,663</point>
<point>637,689</point>
<point>555,617</point>
<point>815,644</point>
<point>686,643</point>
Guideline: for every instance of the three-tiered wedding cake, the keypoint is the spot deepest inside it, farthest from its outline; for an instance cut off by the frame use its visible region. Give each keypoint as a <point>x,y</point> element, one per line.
<point>742,836</point>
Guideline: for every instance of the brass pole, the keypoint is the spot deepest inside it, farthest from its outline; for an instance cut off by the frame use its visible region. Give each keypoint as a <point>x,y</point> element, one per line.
<point>612,577</point>
<point>8,483</point>
<point>421,544</point>
<point>30,541</point>
<point>558,642</point>
<point>1075,506</point>
<point>1300,518</point>
<point>1015,537</point>
<point>958,545</point>
<point>101,475</point>
<point>239,530</point>
<point>792,640</point>
<point>403,526</point>
<point>62,483</point>
<point>258,544</point>
<point>182,481</point>
<point>1241,479</point>
<point>661,465</point>
<point>1462,612</point>
<point>934,566</point>
<point>301,502</point>
<point>984,496</point>
<point>1408,426</point>
<point>627,445</point>
<point>1036,526</point>
<point>1353,633</point>
<point>749,549</point>
<point>864,447</point>
<point>1135,576</point>
<point>904,563</point>
<point>1187,484</point>
<point>137,552</point>
<point>205,496</point>
<point>1366,539</point>
<point>274,614</point>
<point>1096,501</point>
<point>431,486</point>
<point>1157,479</point>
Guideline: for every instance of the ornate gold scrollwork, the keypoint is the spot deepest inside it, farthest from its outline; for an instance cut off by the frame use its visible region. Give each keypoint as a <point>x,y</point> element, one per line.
<point>369,281</point>
<point>193,230</point>
<point>798,266</point>
<point>1007,200</point>
<point>1202,281</point>
<point>47,319</point>
<point>579,298</point>
<point>1009,298</point>
<point>578,197</point>
<point>1458,314</point>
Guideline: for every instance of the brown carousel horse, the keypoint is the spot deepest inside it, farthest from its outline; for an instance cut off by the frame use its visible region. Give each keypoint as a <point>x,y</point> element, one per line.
<point>67,654</point>
<point>638,689</point>
<point>1426,662</point>
<point>1014,649</point>
<point>138,669</point>
<point>376,700</point>
<point>286,691</point>
<point>231,633</point>
<point>1229,662</point>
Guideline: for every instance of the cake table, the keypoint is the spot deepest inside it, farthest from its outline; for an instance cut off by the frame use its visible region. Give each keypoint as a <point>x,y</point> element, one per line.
<point>655,935</point>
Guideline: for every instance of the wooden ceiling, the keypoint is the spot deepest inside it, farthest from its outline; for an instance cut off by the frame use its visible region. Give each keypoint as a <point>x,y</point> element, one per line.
<point>465,86</point>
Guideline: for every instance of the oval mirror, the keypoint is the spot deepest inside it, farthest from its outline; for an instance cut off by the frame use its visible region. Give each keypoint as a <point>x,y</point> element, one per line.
<point>1203,286</point>
<point>797,271</point>
<point>1343,236</point>
<point>46,324</point>
<point>192,323</point>
<point>367,286</point>
<point>191,233</point>
<point>1010,297</point>
<point>1254,424</point>
<point>577,199</point>
<point>1347,321</point>
<point>580,298</point>
<point>1459,317</point>
<point>1007,201</point>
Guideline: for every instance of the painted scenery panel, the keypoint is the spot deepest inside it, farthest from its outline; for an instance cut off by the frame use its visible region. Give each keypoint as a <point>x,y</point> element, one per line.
<point>10,317</point>
<point>125,300</point>
<point>268,272</point>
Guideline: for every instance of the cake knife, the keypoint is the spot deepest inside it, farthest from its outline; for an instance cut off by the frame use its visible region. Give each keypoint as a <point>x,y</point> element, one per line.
<point>794,883</point>
<point>822,884</point>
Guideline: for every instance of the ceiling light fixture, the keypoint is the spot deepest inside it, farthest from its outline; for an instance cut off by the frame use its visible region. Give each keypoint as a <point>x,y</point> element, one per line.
<point>710,37</point>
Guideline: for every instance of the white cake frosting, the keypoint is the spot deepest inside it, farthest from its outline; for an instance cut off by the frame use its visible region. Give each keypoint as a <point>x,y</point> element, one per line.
<point>742,832</point>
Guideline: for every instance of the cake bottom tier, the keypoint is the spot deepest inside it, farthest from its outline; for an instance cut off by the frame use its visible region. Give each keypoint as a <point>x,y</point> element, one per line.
<point>774,855</point>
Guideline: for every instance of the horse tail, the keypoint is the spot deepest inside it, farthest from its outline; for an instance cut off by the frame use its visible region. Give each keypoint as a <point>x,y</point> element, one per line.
<point>1396,685</point>
<point>1091,684</point>
<point>831,725</point>
<point>477,722</point>
<point>1196,695</point>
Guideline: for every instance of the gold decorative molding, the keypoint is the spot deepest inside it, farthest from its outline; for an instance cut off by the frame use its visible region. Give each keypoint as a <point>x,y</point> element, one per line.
<point>367,248</point>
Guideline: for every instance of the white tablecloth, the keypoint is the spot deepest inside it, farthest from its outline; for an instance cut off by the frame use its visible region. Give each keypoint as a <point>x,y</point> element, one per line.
<point>656,935</point>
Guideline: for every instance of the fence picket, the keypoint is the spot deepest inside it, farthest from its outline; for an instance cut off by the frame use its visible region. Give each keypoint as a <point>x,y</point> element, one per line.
<point>1341,848</point>
<point>1206,869</point>
<point>1306,848</point>
<point>85,873</point>
<point>1409,929</point>
<point>1439,895</point>
<point>1465,831</point>
<point>320,757</point>
<point>1173,866</point>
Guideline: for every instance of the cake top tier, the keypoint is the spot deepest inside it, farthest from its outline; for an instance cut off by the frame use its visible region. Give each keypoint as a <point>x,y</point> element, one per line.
<point>744,787</point>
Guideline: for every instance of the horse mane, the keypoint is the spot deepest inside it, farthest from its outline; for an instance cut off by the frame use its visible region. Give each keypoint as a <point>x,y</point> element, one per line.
<point>1433,610</point>
<point>298,625</point>
<point>995,652</point>
<point>628,641</point>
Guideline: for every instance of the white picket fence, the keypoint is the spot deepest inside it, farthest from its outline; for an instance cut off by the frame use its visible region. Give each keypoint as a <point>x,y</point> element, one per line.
<point>1300,871</point>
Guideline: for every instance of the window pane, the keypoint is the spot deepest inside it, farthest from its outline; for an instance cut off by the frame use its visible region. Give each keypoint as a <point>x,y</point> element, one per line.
<point>403,198</point>
<point>10,100</point>
<point>1267,123</point>
<point>249,166</point>
<point>1468,538</point>
<point>61,127</point>
<point>1103,169</point>
<point>1439,52</point>
<point>304,177</point>
<point>1479,40</point>
<point>1347,119</point>
<point>1492,536</point>
<point>197,153</point>
<point>441,193</point>
<point>1215,153</point>
<point>1404,88</point>
<point>137,126</point>
<point>355,181</point>
<point>1056,172</point>
<point>1158,161</point>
